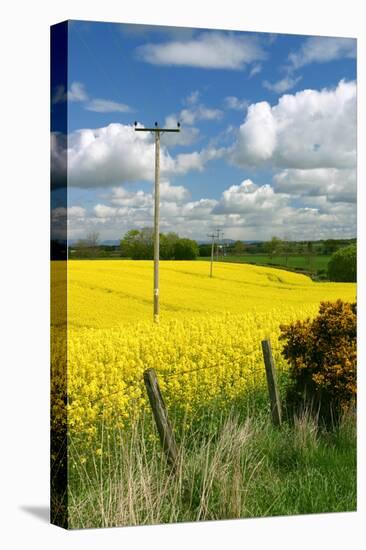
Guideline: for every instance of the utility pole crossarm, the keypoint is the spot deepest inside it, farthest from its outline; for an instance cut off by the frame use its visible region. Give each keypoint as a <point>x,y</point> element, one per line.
<point>157,129</point>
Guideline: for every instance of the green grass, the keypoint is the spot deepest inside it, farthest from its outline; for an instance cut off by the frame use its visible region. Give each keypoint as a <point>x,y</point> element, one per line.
<point>293,262</point>
<point>233,465</point>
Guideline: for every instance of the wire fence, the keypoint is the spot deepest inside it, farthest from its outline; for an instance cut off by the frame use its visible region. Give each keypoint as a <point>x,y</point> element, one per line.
<point>165,375</point>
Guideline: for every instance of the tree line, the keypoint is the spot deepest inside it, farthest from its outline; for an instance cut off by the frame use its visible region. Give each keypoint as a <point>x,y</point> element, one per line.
<point>139,245</point>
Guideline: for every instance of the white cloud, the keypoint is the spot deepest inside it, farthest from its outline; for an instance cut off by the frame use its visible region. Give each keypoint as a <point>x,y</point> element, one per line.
<point>104,211</point>
<point>310,129</point>
<point>77,92</point>
<point>317,49</point>
<point>190,116</point>
<point>199,210</point>
<point>107,106</point>
<point>209,50</point>
<point>139,199</point>
<point>176,193</point>
<point>336,185</point>
<point>248,198</point>
<point>283,85</point>
<point>256,69</point>
<point>245,211</point>
<point>257,136</point>
<point>187,135</point>
<point>185,162</point>
<point>192,98</point>
<point>115,154</point>
<point>232,102</point>
<point>200,112</point>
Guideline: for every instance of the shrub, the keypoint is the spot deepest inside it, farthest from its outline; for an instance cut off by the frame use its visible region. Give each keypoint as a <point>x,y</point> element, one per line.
<point>342,266</point>
<point>322,357</point>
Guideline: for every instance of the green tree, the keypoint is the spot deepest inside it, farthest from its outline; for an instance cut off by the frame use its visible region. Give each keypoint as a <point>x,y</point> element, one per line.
<point>138,244</point>
<point>342,266</point>
<point>238,248</point>
<point>330,246</point>
<point>205,250</point>
<point>185,249</point>
<point>273,247</point>
<point>88,247</point>
<point>167,244</point>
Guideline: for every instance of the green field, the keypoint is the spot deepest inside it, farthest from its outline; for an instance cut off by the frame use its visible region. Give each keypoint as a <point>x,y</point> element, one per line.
<point>298,262</point>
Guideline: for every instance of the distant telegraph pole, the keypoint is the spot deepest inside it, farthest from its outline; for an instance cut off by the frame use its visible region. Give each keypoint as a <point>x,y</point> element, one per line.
<point>212,236</point>
<point>157,132</point>
<point>218,240</point>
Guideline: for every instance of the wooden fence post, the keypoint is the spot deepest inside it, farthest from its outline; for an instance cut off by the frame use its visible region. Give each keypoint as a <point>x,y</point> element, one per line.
<point>272,383</point>
<point>161,417</point>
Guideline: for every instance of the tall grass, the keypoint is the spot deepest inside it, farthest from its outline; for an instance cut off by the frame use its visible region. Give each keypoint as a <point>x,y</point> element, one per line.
<point>230,467</point>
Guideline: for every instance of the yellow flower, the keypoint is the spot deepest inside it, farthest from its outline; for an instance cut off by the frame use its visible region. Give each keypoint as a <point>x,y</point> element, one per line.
<point>215,325</point>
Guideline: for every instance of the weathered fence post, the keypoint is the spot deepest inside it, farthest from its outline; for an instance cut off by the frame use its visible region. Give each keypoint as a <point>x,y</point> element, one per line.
<point>272,383</point>
<point>161,417</point>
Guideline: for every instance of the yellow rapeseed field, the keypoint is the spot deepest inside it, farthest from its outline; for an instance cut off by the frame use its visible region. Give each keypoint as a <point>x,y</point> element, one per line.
<point>205,322</point>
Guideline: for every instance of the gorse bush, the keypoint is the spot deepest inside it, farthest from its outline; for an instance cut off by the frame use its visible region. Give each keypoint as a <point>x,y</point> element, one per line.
<point>322,355</point>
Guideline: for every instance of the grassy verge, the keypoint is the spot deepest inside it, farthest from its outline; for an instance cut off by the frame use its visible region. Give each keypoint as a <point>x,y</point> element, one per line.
<point>231,466</point>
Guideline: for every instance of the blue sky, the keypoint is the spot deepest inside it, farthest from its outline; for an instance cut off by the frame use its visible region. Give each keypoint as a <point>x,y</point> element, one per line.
<point>268,140</point>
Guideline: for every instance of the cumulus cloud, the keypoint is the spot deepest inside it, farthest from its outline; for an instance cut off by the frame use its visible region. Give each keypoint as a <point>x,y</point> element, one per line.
<point>245,211</point>
<point>197,160</point>
<point>176,193</point>
<point>115,154</point>
<point>318,49</point>
<point>310,129</point>
<point>249,198</point>
<point>140,199</point>
<point>209,50</point>
<point>336,185</point>
<point>283,85</point>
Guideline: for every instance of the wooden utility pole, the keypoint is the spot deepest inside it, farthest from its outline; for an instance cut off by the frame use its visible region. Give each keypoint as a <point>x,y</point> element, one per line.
<point>274,395</point>
<point>157,131</point>
<point>161,417</point>
<point>212,236</point>
<point>217,246</point>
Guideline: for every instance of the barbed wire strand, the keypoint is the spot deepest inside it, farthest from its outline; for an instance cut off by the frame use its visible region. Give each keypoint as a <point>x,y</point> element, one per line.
<point>166,375</point>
